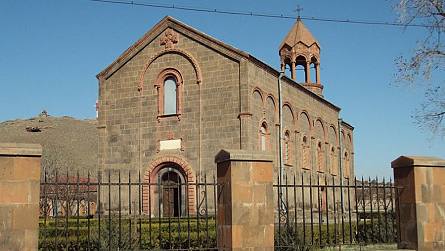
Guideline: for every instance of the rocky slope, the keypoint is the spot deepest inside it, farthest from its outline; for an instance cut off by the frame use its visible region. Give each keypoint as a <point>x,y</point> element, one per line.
<point>68,143</point>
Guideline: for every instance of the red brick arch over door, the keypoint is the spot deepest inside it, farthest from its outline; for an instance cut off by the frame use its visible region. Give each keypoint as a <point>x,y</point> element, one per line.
<point>151,176</point>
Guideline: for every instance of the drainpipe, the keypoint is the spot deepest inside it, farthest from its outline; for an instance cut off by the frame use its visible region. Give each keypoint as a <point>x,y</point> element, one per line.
<point>280,136</point>
<point>340,162</point>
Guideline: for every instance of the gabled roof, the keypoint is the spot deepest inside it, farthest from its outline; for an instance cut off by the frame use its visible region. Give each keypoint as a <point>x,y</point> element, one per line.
<point>223,48</point>
<point>299,33</point>
<point>170,22</point>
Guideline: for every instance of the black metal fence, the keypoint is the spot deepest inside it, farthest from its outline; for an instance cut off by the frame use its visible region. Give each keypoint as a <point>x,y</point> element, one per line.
<point>321,211</point>
<point>118,210</point>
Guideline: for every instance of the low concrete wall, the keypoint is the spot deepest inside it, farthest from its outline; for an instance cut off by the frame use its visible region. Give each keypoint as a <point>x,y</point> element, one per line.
<point>246,206</point>
<point>422,202</point>
<point>19,196</point>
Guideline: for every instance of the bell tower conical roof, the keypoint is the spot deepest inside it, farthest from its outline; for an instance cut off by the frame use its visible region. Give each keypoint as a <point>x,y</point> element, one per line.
<point>299,33</point>
<point>300,47</point>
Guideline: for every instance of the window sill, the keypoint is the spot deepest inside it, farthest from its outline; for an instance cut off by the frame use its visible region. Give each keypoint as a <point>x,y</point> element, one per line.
<point>169,116</point>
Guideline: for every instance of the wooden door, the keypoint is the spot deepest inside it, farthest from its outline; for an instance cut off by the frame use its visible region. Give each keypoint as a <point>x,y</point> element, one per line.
<point>168,199</point>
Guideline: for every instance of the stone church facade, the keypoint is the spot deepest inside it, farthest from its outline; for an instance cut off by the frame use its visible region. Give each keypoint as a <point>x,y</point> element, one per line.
<point>177,96</point>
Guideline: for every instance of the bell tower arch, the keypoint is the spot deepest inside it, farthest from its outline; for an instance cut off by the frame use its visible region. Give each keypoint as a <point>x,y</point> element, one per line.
<point>300,48</point>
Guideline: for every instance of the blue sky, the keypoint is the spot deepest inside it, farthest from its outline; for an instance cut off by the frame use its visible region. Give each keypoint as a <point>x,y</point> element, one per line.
<point>51,50</point>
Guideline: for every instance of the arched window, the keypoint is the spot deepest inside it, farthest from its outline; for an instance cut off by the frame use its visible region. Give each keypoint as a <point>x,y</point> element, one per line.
<point>306,153</point>
<point>347,167</point>
<point>286,148</point>
<point>300,68</point>
<point>170,97</point>
<point>333,161</point>
<point>263,136</point>
<point>169,86</point>
<point>320,159</point>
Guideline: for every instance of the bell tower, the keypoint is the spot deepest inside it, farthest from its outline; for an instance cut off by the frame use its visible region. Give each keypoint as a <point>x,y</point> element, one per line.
<point>299,48</point>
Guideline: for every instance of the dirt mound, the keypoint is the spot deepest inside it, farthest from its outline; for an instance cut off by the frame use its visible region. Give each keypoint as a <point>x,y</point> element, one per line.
<point>68,143</point>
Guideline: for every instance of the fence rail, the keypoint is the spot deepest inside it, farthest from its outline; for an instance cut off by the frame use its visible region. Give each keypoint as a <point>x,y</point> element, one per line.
<point>117,210</point>
<point>122,210</point>
<point>325,211</point>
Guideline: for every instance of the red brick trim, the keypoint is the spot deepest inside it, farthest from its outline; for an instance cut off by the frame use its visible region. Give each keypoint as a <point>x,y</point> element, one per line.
<point>274,100</point>
<point>150,176</point>
<point>257,89</point>
<point>323,127</point>
<point>159,85</point>
<point>183,53</point>
<point>309,119</point>
<point>267,135</point>
<point>335,133</point>
<point>288,104</point>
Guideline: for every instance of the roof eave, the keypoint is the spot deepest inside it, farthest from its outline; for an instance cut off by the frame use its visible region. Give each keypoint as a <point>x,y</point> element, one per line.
<point>347,125</point>
<point>295,84</point>
<point>167,21</point>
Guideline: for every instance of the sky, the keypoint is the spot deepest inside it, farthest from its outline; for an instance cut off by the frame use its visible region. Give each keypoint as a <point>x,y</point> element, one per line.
<point>51,51</point>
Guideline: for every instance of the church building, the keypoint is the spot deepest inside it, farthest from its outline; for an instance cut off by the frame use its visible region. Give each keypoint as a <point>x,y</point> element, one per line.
<point>175,98</point>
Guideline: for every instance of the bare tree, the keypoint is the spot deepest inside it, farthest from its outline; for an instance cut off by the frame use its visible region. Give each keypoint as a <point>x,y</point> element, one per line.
<point>427,59</point>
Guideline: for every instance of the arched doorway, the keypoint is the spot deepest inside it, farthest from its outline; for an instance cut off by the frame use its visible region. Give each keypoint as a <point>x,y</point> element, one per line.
<point>169,184</point>
<point>171,191</point>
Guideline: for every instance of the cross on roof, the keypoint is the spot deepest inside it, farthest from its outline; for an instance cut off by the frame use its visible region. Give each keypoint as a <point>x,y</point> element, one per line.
<point>298,9</point>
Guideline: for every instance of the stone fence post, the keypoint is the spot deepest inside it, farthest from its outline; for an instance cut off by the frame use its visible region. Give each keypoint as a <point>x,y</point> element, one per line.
<point>19,196</point>
<point>245,200</point>
<point>422,202</point>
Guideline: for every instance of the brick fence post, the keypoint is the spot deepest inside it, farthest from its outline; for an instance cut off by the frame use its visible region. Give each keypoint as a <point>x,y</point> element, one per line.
<point>19,196</point>
<point>245,200</point>
<point>422,202</point>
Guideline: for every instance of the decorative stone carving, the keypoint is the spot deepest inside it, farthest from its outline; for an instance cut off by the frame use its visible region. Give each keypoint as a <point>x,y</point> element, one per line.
<point>169,39</point>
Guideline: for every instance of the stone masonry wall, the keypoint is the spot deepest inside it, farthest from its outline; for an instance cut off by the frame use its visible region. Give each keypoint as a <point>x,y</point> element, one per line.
<point>126,117</point>
<point>323,119</point>
<point>421,202</point>
<point>19,196</point>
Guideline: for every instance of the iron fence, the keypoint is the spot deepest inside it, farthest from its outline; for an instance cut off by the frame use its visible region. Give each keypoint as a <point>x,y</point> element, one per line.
<point>321,211</point>
<point>117,210</point>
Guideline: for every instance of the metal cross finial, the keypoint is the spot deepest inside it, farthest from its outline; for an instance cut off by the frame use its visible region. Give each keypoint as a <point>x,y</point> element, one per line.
<point>298,9</point>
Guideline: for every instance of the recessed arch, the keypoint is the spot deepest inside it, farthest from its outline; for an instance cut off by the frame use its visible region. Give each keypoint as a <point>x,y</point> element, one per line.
<point>304,123</point>
<point>343,137</point>
<point>319,128</point>
<point>271,108</point>
<point>156,168</point>
<point>263,136</point>
<point>180,52</point>
<point>332,135</point>
<point>300,60</point>
<point>273,99</point>
<point>258,101</point>
<point>288,107</point>
<point>349,138</point>
<point>259,91</point>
